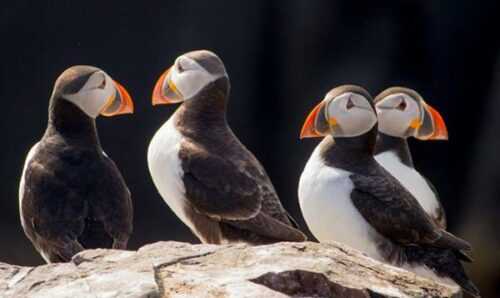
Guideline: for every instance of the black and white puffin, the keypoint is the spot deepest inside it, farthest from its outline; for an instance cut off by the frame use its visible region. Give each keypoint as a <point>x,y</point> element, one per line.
<point>346,196</point>
<point>71,195</point>
<point>403,113</point>
<point>200,168</point>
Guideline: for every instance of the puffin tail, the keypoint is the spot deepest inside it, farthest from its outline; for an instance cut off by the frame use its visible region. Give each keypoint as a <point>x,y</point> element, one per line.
<point>449,265</point>
<point>269,227</point>
<point>445,263</point>
<point>469,287</point>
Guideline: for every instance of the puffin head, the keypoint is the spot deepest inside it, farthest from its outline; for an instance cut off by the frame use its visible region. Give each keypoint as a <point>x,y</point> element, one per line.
<point>190,74</point>
<point>403,113</point>
<point>346,111</point>
<point>93,91</point>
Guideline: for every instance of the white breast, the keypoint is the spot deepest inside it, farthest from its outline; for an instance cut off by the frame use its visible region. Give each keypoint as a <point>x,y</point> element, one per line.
<point>30,155</point>
<point>411,180</point>
<point>324,197</point>
<point>165,168</point>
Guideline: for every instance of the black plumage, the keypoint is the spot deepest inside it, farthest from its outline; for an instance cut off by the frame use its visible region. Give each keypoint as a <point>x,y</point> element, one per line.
<point>72,195</point>
<point>224,182</point>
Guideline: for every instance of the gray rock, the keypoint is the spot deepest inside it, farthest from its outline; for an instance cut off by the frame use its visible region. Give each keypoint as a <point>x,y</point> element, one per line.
<point>174,269</point>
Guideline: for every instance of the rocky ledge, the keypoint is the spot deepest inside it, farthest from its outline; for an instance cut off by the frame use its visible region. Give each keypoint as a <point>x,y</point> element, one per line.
<point>174,269</point>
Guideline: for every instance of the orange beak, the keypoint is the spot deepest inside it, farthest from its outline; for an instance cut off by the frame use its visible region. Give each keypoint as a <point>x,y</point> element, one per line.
<point>440,130</point>
<point>159,96</point>
<point>126,103</point>
<point>308,129</point>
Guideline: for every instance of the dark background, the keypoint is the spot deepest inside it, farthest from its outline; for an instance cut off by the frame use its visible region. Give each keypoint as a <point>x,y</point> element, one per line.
<point>282,57</point>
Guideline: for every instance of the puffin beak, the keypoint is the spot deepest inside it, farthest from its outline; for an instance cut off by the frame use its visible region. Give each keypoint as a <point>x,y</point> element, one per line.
<point>119,102</point>
<point>165,91</point>
<point>440,130</point>
<point>433,126</point>
<point>308,129</point>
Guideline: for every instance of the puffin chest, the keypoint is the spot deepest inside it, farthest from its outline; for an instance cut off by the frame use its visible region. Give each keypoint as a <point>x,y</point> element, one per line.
<point>411,180</point>
<point>325,201</point>
<point>166,169</point>
<point>22,185</point>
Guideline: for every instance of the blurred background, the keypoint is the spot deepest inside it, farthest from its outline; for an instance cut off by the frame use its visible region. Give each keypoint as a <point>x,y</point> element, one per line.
<point>282,57</point>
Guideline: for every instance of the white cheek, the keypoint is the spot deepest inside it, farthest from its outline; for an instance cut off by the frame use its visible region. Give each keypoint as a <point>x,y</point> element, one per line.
<point>356,122</point>
<point>190,82</point>
<point>393,122</point>
<point>91,102</point>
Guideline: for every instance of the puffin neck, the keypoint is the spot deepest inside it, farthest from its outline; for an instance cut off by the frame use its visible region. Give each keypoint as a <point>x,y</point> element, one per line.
<point>397,145</point>
<point>68,121</point>
<point>350,154</point>
<point>207,109</point>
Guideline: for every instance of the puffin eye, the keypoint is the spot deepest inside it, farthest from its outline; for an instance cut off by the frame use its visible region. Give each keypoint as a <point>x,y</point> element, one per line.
<point>102,85</point>
<point>179,67</point>
<point>349,104</point>
<point>402,105</point>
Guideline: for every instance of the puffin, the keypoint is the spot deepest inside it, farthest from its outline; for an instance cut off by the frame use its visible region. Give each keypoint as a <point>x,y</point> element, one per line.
<point>402,113</point>
<point>345,195</point>
<point>71,194</point>
<point>207,177</point>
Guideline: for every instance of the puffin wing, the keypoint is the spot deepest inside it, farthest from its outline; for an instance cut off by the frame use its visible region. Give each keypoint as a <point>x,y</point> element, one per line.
<point>440,218</point>
<point>396,214</point>
<point>113,206</point>
<point>235,193</point>
<point>218,188</point>
<point>62,216</point>
<point>53,215</point>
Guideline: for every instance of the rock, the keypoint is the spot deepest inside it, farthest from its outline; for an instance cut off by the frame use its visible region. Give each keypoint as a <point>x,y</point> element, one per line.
<point>291,270</point>
<point>174,269</point>
<point>97,273</point>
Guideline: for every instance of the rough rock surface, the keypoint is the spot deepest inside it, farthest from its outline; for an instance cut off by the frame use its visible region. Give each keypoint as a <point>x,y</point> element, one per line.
<point>174,269</point>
